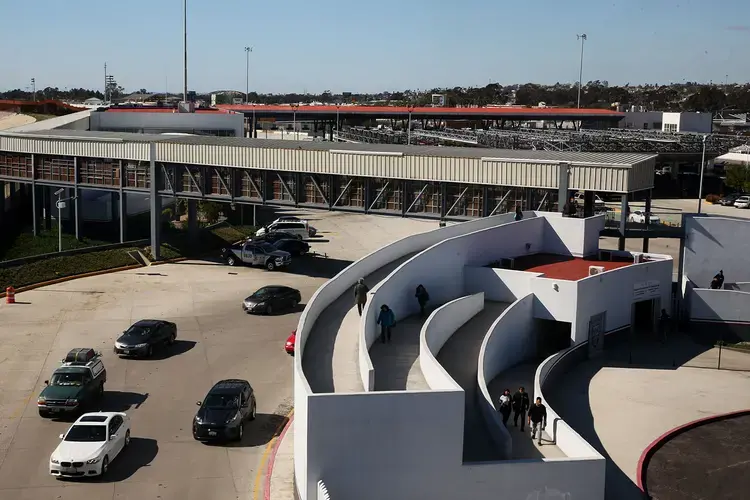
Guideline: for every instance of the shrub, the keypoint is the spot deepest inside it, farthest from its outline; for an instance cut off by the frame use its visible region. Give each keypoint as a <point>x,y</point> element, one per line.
<point>713,198</point>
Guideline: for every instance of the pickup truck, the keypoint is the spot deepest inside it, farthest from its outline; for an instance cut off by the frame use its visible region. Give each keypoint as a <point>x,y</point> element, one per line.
<point>256,254</point>
<point>77,383</point>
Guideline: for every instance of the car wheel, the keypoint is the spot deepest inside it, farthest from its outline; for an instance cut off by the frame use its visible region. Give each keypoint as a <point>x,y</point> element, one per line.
<point>127,439</point>
<point>100,391</point>
<point>252,412</point>
<point>270,265</point>
<point>240,432</point>
<point>105,465</point>
<point>150,351</point>
<point>172,339</point>
<point>269,309</point>
<point>231,261</point>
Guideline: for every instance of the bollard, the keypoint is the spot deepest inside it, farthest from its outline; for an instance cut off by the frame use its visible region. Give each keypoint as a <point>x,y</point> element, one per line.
<point>10,295</point>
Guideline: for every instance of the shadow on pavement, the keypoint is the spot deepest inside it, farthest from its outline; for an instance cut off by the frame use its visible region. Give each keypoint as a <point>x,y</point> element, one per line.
<point>317,267</point>
<point>121,401</point>
<point>140,453</point>
<point>260,431</point>
<point>169,351</point>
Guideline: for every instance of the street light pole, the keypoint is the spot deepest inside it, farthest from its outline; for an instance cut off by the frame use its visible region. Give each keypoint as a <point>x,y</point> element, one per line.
<point>703,166</point>
<point>408,130</point>
<point>337,118</point>
<point>247,75</point>
<point>294,121</point>
<point>185,60</point>
<point>582,37</point>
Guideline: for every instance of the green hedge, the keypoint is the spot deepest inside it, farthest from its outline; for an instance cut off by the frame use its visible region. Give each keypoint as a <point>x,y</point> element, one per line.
<point>26,244</point>
<point>60,267</point>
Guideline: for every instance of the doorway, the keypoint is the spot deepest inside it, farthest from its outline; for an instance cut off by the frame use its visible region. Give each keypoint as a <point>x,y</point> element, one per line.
<point>644,317</point>
<point>553,336</point>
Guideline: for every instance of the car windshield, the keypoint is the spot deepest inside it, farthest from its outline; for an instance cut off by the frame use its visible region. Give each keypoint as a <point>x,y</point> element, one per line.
<point>66,379</point>
<point>138,331</point>
<point>266,247</point>
<point>222,401</point>
<point>262,293</point>
<point>87,433</point>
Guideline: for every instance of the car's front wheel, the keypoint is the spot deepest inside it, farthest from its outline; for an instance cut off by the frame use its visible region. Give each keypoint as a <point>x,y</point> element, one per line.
<point>105,465</point>
<point>127,439</point>
<point>172,338</point>
<point>150,351</point>
<point>269,309</point>
<point>253,412</point>
<point>271,265</point>
<point>240,432</point>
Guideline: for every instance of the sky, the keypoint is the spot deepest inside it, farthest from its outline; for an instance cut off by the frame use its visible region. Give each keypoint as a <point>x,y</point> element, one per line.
<point>370,46</point>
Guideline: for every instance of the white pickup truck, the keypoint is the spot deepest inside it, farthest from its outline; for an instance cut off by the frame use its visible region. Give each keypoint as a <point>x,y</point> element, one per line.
<point>256,254</point>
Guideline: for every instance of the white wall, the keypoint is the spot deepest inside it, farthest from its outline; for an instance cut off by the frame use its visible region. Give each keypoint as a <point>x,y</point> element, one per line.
<point>613,292</point>
<point>714,243</point>
<point>437,329</point>
<point>636,120</point>
<point>147,122</point>
<point>701,123</point>
<point>556,304</point>
<point>720,305</point>
<point>323,491</point>
<point>512,339</point>
<point>572,236</point>
<point>498,285</point>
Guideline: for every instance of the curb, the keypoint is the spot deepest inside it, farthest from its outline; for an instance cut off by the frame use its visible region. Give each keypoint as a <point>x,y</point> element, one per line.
<point>272,459</point>
<point>656,445</point>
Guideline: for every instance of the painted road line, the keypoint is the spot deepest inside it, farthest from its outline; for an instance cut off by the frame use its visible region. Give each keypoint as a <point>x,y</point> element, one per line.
<point>264,457</point>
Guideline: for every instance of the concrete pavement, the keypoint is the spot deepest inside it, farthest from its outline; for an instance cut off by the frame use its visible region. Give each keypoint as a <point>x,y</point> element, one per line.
<point>397,364</point>
<point>12,120</point>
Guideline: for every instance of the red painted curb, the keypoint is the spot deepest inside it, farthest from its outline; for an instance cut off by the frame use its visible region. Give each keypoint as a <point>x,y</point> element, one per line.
<point>664,438</point>
<point>272,459</point>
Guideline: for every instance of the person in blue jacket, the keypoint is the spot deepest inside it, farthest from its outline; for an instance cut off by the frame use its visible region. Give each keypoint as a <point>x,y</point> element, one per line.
<point>386,320</point>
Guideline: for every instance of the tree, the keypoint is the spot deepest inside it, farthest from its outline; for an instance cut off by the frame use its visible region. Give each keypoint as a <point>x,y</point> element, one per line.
<point>211,211</point>
<point>738,177</point>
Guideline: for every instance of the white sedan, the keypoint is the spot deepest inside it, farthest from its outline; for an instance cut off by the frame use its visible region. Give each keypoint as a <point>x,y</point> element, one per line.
<point>742,202</point>
<point>640,217</point>
<point>90,445</point>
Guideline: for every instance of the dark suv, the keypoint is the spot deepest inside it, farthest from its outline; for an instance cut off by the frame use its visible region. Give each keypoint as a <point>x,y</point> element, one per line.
<point>76,384</point>
<point>224,411</point>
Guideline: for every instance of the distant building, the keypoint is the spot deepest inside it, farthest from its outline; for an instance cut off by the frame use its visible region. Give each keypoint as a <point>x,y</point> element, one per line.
<point>638,118</point>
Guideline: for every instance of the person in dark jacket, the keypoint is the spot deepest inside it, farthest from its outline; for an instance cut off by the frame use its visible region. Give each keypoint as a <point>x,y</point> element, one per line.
<point>505,406</point>
<point>521,405</point>
<point>360,294</point>
<point>718,282</point>
<point>386,320</point>
<point>537,419</point>
<point>519,213</point>
<point>422,297</point>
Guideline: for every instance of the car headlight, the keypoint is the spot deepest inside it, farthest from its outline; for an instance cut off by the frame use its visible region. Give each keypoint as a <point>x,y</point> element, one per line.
<point>198,420</point>
<point>93,460</point>
<point>40,400</point>
<point>234,418</point>
<point>54,461</point>
<point>71,402</point>
<point>139,346</point>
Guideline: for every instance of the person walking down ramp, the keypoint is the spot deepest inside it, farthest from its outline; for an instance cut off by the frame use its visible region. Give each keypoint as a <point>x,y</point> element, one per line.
<point>422,297</point>
<point>360,294</point>
<point>386,320</point>
<point>505,406</point>
<point>537,419</point>
<point>521,405</point>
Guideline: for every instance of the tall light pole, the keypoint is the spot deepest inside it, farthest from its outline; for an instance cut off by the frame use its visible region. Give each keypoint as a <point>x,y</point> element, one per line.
<point>33,88</point>
<point>582,37</point>
<point>247,75</point>
<point>184,48</point>
<point>294,121</point>
<point>337,118</point>
<point>700,182</point>
<point>408,129</point>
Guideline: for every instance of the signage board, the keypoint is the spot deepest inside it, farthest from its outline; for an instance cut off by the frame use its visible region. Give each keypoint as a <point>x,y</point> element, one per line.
<point>645,290</point>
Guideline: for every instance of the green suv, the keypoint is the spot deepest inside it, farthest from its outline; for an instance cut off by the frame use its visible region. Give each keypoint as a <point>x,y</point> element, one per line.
<point>77,383</point>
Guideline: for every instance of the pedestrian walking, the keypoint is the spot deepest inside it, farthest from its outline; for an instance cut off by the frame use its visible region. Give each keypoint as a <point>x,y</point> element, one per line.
<point>519,213</point>
<point>664,324</point>
<point>422,297</point>
<point>719,280</point>
<point>521,405</point>
<point>505,406</point>
<point>360,294</point>
<point>386,320</point>
<point>537,419</point>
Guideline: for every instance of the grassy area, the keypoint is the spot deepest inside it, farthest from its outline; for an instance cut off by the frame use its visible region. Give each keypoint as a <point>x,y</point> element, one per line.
<point>59,267</point>
<point>26,244</point>
<point>177,242</point>
<point>743,346</point>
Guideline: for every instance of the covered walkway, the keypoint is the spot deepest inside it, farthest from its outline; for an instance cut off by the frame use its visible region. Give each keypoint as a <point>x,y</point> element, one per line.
<point>460,357</point>
<point>331,360</point>
<point>523,446</point>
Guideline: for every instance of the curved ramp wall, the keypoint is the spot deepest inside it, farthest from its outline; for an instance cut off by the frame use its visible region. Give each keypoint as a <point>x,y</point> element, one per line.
<point>440,268</point>
<point>331,291</point>
<point>512,339</point>
<point>437,329</point>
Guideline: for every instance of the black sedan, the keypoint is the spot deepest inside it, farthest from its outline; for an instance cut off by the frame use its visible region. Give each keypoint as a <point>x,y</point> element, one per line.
<point>728,200</point>
<point>224,411</point>
<point>145,335</point>
<point>271,298</point>
<point>273,237</point>
<point>294,247</point>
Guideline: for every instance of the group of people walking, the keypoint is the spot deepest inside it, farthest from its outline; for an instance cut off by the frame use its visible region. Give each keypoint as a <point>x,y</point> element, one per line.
<point>520,404</point>
<point>386,316</point>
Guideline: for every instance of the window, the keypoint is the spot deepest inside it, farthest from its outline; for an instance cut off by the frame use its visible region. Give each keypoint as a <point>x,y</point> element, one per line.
<point>87,434</point>
<point>67,379</point>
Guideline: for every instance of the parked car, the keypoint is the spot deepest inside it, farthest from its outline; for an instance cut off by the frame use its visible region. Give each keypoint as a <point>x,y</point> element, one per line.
<point>274,237</point>
<point>294,246</point>
<point>255,253</point>
<point>639,216</point>
<point>742,202</point>
<point>291,340</point>
<point>598,202</point>
<point>299,229</point>
<point>145,335</point>
<point>77,383</point>
<point>728,200</point>
<point>224,411</point>
<point>290,218</point>
<point>90,445</point>
<point>272,298</point>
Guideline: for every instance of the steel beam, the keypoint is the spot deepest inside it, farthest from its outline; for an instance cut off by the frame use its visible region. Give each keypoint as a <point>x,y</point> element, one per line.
<point>544,198</point>
<point>317,187</point>
<point>167,179</point>
<point>123,205</point>
<point>417,198</point>
<point>155,205</point>
<point>499,204</point>
<point>343,192</point>
<point>382,190</point>
<point>221,180</point>
<point>76,200</point>
<point>34,215</point>
<point>460,197</point>
<point>193,180</point>
<point>286,188</point>
<point>254,185</point>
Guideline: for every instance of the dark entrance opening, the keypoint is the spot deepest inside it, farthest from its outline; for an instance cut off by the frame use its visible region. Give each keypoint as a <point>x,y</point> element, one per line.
<point>644,316</point>
<point>553,336</point>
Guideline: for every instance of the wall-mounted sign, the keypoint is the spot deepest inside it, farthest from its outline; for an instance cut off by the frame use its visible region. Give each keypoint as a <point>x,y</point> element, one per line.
<point>644,290</point>
<point>597,326</point>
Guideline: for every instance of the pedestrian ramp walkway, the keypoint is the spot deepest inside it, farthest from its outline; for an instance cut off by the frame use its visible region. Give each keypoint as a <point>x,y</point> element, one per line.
<point>331,358</point>
<point>523,447</point>
<point>460,358</point>
<point>397,364</point>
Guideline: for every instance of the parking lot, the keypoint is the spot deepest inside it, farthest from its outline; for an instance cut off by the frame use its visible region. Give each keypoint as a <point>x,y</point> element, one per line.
<point>216,340</point>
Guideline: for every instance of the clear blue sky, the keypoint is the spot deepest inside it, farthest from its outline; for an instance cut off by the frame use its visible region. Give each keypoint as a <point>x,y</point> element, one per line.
<point>356,45</point>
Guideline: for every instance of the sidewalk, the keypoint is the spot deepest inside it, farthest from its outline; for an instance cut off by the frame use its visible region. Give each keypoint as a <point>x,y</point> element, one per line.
<point>279,483</point>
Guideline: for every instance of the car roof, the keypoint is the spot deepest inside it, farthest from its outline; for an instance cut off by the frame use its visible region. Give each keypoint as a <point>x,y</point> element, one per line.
<point>98,417</point>
<point>73,369</point>
<point>148,322</point>
<point>229,385</point>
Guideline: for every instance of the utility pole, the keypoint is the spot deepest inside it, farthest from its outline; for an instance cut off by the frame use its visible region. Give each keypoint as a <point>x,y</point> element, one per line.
<point>700,183</point>
<point>185,62</point>
<point>33,88</point>
<point>247,74</point>
<point>582,37</point>
<point>105,83</point>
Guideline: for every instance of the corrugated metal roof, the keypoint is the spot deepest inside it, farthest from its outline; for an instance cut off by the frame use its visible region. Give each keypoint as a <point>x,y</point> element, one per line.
<point>498,155</point>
